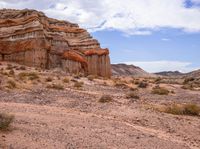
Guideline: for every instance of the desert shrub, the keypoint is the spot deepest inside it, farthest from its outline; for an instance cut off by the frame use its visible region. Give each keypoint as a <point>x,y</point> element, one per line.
<point>33,76</point>
<point>91,77</point>
<point>11,84</point>
<point>56,86</point>
<point>105,98</point>
<point>48,79</point>
<point>11,72</point>
<point>174,109</point>
<point>66,80</point>
<point>188,109</point>
<point>160,91</point>
<point>29,75</point>
<point>142,84</point>
<point>191,109</point>
<point>9,67</point>
<point>133,95</point>
<point>5,121</point>
<point>158,80</point>
<point>120,85</point>
<point>78,84</point>
<point>187,87</point>
<point>133,89</point>
<point>187,80</point>
<point>22,68</point>
<point>4,73</point>
<point>77,76</point>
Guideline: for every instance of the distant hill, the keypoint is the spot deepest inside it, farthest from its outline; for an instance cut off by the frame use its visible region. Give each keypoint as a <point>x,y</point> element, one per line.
<point>128,70</point>
<point>194,74</point>
<point>170,73</point>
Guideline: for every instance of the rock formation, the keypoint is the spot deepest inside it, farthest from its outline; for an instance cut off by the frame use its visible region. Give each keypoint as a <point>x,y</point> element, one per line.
<point>30,38</point>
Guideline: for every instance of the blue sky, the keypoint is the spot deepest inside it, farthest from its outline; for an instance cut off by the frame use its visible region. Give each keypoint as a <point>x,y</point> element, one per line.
<point>170,47</point>
<point>156,35</point>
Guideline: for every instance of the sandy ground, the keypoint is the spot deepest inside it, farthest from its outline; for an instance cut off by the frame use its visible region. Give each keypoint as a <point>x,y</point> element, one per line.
<point>73,118</point>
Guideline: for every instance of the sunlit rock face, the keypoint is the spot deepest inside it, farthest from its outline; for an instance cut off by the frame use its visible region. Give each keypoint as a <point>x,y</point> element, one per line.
<point>30,38</point>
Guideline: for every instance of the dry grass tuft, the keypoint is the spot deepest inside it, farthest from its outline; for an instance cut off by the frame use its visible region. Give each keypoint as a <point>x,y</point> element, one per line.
<point>143,84</point>
<point>29,75</point>
<point>78,84</point>
<point>132,95</point>
<point>160,91</point>
<point>5,121</point>
<point>56,86</point>
<point>66,80</point>
<point>187,109</point>
<point>105,99</point>
<point>48,79</point>
<point>11,84</point>
<point>91,77</point>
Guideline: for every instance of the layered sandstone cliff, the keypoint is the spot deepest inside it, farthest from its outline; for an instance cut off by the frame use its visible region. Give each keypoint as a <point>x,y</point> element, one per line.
<point>30,38</point>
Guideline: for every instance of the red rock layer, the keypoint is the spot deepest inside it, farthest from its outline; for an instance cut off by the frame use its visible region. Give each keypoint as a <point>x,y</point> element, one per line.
<point>50,43</point>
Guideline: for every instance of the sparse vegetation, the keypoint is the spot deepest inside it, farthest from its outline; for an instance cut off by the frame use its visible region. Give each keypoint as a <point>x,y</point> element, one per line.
<point>49,79</point>
<point>9,67</point>
<point>132,95</point>
<point>78,84</point>
<point>187,109</point>
<point>11,72</point>
<point>5,121</point>
<point>191,83</point>
<point>91,77</point>
<point>22,68</point>
<point>160,91</point>
<point>30,75</point>
<point>142,84</point>
<point>11,84</point>
<point>105,99</point>
<point>56,86</point>
<point>121,85</point>
<point>66,80</point>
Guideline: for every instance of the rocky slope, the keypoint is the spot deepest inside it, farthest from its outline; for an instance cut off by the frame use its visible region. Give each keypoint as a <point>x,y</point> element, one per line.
<point>194,74</point>
<point>30,38</point>
<point>169,73</point>
<point>128,70</point>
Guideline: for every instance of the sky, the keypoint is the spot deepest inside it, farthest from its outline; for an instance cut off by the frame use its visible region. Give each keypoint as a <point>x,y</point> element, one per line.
<point>157,35</point>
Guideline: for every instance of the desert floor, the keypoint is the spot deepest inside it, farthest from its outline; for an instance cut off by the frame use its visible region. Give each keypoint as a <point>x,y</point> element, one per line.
<point>71,117</point>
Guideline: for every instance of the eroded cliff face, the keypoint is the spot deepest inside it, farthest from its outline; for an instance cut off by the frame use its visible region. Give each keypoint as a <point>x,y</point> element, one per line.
<point>29,37</point>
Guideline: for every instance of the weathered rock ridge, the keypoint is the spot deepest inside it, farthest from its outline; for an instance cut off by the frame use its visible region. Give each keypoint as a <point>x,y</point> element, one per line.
<point>30,38</point>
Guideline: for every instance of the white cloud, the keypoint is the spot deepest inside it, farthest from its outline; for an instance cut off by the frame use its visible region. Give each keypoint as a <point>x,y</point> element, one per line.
<point>133,17</point>
<point>159,66</point>
<point>165,39</point>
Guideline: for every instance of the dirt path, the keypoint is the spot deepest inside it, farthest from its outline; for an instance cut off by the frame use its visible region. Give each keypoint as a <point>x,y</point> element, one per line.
<point>54,127</point>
